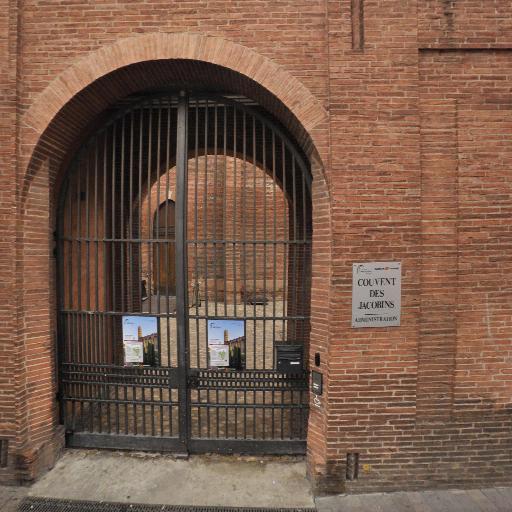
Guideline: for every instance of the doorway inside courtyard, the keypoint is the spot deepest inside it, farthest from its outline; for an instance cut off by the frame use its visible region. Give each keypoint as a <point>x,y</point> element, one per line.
<point>184,269</point>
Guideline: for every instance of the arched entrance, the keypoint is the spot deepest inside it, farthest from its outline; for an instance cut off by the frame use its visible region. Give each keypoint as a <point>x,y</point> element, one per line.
<point>203,348</point>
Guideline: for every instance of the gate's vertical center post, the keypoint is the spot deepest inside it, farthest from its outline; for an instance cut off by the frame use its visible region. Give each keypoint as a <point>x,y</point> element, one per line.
<point>181,265</point>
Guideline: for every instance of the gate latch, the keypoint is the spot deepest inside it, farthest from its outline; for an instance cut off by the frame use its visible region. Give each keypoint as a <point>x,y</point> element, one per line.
<point>193,379</point>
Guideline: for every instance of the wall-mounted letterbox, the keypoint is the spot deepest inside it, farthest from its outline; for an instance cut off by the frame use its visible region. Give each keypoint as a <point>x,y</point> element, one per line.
<point>289,358</point>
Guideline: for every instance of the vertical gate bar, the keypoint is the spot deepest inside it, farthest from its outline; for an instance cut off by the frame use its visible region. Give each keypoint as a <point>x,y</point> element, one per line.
<point>274,259</point>
<point>113,217</point>
<point>148,192</point>
<point>226,414</point>
<point>90,331</point>
<point>87,235</point>
<point>130,217</point>
<point>113,266</point>
<point>105,320</point>
<point>64,248</point>
<point>168,245</point>
<point>293,254</point>
<point>143,409</point>
<point>305,251</point>
<point>170,390</point>
<point>79,260</point>
<point>264,163</point>
<point>71,250</point>
<point>161,408</point>
<point>215,194</point>
<point>254,411</point>
<point>281,408</point>
<point>244,212</point>
<point>107,407</point>
<point>236,412</point>
<point>139,216</point>
<point>114,206</point>
<point>157,210</point>
<point>152,398</point>
<point>263,434</point>
<point>196,229</point>
<point>97,321</point>
<point>286,230</point>
<point>96,259</point>
<point>290,415</point>
<point>130,260</point>
<point>125,388</point>
<point>181,264</point>
<point>81,316</point>
<point>116,395</point>
<point>254,234</point>
<point>122,233</point>
<point>215,261</point>
<point>235,216</point>
<point>208,419</point>
<point>90,257</point>
<point>217,412</point>
<point>134,406</point>
<point>123,263</point>
<point>224,210</point>
<point>140,236</point>
<point>205,217</point>
<point>303,395</point>
<point>199,412</point>
<point>274,276</point>
<point>245,413</point>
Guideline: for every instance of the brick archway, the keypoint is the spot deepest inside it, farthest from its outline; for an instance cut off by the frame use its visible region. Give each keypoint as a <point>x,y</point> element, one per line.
<point>71,105</point>
<point>309,115</point>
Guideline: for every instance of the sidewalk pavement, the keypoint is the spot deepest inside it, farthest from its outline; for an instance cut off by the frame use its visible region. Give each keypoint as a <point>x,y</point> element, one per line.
<point>497,499</point>
<point>477,500</point>
<point>10,497</point>
<point>226,481</point>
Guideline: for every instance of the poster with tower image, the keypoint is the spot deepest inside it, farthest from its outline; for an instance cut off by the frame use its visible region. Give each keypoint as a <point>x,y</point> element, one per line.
<point>140,340</point>
<point>226,343</point>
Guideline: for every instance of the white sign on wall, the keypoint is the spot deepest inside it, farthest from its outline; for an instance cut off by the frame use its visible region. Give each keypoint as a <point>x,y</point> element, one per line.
<point>376,294</point>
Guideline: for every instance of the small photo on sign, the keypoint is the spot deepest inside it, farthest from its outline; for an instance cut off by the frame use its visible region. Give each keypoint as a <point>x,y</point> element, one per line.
<point>226,343</point>
<point>140,340</point>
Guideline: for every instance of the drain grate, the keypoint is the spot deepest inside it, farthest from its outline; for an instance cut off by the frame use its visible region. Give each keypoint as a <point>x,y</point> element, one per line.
<point>52,505</point>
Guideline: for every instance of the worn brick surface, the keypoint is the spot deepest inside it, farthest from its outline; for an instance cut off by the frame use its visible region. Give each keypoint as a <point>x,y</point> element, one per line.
<point>407,127</point>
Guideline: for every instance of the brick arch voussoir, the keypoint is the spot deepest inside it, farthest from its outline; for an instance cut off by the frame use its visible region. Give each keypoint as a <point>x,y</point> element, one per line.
<point>160,46</point>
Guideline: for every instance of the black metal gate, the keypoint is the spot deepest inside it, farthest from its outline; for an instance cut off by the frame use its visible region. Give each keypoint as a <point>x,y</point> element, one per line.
<point>184,247</point>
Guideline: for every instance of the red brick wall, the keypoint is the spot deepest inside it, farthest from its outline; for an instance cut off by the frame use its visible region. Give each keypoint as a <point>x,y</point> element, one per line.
<point>8,349</point>
<point>464,24</point>
<point>467,116</point>
<point>411,163</point>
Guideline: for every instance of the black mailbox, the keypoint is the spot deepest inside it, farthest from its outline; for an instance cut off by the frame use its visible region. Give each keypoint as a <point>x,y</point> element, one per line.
<point>289,358</point>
